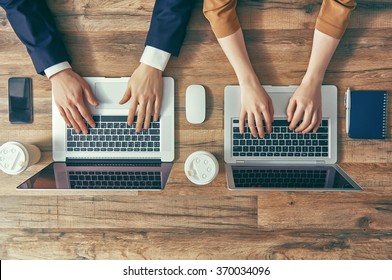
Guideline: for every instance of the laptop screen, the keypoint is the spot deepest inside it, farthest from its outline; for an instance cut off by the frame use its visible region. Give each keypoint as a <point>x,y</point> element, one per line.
<point>291,177</point>
<point>61,176</point>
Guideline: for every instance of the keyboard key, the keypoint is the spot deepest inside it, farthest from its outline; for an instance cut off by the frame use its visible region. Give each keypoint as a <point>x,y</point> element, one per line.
<point>114,118</point>
<point>71,144</point>
<point>322,130</point>
<point>154,131</point>
<point>280,123</point>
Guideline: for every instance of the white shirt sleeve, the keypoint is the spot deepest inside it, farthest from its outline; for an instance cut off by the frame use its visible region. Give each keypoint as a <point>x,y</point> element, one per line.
<point>155,58</point>
<point>49,72</point>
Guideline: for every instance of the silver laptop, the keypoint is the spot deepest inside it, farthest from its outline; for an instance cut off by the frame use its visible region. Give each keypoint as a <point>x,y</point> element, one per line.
<point>284,159</point>
<point>113,155</point>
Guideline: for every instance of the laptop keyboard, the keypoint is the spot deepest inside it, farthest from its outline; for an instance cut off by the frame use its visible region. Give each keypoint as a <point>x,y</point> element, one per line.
<point>115,180</point>
<point>266,178</point>
<point>281,142</point>
<point>113,134</point>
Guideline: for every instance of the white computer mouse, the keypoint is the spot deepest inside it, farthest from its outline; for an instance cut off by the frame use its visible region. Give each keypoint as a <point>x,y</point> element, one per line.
<point>195,104</point>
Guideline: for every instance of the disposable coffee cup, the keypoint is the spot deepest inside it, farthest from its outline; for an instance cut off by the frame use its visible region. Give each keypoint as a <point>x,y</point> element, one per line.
<point>15,157</point>
<point>201,167</point>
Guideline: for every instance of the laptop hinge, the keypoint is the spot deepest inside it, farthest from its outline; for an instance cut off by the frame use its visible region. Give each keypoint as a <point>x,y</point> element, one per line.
<point>112,162</point>
<point>240,162</point>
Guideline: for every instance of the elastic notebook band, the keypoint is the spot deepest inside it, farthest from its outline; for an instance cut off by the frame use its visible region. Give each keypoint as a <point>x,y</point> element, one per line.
<point>384,112</point>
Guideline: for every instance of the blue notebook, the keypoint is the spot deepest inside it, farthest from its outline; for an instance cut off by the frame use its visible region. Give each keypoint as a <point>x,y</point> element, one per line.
<point>366,114</point>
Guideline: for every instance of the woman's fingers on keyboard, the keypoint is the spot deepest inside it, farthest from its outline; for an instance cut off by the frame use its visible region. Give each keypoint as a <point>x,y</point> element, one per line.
<point>268,117</point>
<point>242,121</point>
<point>306,121</point>
<point>297,116</point>
<point>290,109</point>
<point>319,119</point>
<point>259,125</point>
<point>312,124</point>
<point>252,125</point>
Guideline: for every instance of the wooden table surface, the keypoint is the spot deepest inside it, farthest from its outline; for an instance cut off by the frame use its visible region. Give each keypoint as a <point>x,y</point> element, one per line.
<point>106,38</point>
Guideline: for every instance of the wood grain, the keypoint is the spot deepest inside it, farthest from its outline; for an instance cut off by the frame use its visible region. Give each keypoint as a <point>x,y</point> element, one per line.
<point>141,244</point>
<point>185,221</point>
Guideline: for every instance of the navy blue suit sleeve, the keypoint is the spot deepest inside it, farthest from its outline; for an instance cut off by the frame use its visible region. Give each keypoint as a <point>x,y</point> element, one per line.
<point>168,24</point>
<point>33,23</point>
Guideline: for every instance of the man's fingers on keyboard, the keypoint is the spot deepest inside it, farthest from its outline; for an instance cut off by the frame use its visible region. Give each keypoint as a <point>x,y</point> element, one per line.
<point>140,117</point>
<point>64,116</point>
<point>73,122</point>
<point>147,119</point>
<point>86,115</point>
<point>157,108</point>
<point>89,94</point>
<point>79,120</point>
<point>127,94</point>
<point>132,111</point>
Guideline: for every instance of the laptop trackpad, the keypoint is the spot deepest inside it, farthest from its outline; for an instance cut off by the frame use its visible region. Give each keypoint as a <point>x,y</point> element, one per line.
<point>109,94</point>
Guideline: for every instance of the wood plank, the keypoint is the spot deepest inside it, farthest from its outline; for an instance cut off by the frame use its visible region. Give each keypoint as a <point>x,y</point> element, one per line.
<point>99,15</point>
<point>142,244</point>
<point>370,209</point>
<point>125,210</point>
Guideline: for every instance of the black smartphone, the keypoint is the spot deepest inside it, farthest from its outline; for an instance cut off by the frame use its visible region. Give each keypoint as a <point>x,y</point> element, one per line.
<point>20,103</point>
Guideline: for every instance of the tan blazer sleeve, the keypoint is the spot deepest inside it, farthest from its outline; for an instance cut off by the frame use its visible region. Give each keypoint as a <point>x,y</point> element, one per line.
<point>334,16</point>
<point>222,16</point>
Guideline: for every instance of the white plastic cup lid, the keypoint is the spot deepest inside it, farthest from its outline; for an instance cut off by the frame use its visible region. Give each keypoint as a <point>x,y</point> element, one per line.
<point>201,167</point>
<point>14,158</point>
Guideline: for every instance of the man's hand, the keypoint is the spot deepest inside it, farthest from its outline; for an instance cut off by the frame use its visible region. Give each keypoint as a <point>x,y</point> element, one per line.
<point>144,90</point>
<point>305,104</point>
<point>256,105</point>
<point>68,91</point>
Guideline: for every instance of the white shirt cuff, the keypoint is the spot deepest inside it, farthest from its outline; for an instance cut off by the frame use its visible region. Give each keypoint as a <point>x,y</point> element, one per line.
<point>155,58</point>
<point>49,72</point>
